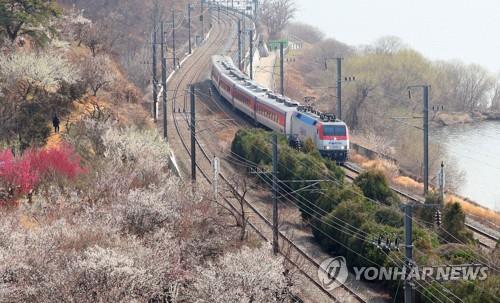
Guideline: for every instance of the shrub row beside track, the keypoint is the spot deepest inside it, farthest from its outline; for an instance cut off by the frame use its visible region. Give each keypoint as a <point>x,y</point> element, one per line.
<point>329,204</point>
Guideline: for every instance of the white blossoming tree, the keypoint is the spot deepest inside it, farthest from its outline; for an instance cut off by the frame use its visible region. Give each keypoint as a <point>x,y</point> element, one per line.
<point>27,82</point>
<point>248,275</point>
<point>27,71</point>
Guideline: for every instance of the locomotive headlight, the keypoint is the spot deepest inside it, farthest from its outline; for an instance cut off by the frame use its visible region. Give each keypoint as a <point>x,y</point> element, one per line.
<point>328,147</point>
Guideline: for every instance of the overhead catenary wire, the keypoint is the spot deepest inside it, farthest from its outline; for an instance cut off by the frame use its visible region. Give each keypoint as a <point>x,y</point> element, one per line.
<point>297,205</point>
<point>374,201</point>
<point>335,240</point>
<point>484,261</point>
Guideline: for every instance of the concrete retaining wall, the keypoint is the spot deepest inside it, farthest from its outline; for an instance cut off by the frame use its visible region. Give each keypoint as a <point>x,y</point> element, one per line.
<point>370,154</point>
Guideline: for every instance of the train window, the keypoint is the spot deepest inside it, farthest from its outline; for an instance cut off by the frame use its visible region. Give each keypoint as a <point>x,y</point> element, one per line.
<point>334,130</point>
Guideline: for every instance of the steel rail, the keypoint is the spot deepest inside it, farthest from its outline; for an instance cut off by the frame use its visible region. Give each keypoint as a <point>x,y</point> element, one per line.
<point>250,205</point>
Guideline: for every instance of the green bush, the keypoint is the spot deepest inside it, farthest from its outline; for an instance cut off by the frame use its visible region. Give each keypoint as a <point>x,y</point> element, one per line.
<point>375,186</point>
<point>32,126</point>
<point>426,214</point>
<point>309,146</point>
<point>454,229</point>
<point>344,222</point>
<point>476,291</point>
<point>255,145</point>
<point>389,216</point>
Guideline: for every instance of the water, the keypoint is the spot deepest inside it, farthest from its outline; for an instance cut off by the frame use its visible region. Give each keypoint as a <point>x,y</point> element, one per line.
<point>476,147</point>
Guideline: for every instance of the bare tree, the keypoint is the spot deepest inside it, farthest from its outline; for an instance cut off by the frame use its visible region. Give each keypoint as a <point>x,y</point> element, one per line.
<point>305,32</point>
<point>388,45</point>
<point>73,25</point>
<point>276,14</point>
<point>237,191</point>
<point>468,86</point>
<point>476,84</point>
<point>103,35</point>
<point>97,73</point>
<point>362,92</point>
<point>495,100</point>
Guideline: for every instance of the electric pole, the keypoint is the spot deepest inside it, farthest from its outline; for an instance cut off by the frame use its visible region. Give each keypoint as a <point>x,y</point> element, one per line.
<point>275,194</point>
<point>189,29</point>
<point>164,82</point>
<point>239,44</point>
<point>173,40</point>
<point>441,184</point>
<point>162,40</point>
<point>216,170</point>
<point>409,264</point>
<point>339,87</point>
<point>218,12</point>
<point>251,54</point>
<point>243,31</point>
<point>202,21</point>
<point>282,68</point>
<point>426,139</point>
<point>426,132</point>
<point>256,7</point>
<point>155,78</point>
<point>408,286</point>
<point>193,137</point>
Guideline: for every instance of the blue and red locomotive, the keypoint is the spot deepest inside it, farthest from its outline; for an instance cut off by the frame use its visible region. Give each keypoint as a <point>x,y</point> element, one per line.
<point>280,113</point>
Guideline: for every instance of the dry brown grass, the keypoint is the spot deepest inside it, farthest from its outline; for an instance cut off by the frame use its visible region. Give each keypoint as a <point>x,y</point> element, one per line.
<point>479,212</point>
<point>389,169</point>
<point>409,184</point>
<point>295,84</point>
<point>28,223</point>
<point>453,118</point>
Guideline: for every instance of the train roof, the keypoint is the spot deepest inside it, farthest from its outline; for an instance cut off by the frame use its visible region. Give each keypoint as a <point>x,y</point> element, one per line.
<point>226,66</point>
<point>307,113</point>
<point>283,103</point>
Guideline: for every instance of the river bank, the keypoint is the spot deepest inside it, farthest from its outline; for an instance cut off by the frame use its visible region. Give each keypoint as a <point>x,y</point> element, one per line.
<point>454,118</point>
<point>369,159</point>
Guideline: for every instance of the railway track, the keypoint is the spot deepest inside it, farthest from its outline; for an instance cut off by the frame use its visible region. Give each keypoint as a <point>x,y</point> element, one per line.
<point>412,198</point>
<point>191,73</point>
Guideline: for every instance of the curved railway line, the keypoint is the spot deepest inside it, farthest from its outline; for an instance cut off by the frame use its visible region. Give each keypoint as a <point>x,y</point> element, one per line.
<point>190,73</point>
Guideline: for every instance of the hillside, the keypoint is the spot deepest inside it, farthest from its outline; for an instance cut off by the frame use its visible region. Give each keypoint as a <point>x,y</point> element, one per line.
<point>93,212</point>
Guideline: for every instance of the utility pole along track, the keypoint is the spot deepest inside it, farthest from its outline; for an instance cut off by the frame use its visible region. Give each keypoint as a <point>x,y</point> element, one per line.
<point>192,73</point>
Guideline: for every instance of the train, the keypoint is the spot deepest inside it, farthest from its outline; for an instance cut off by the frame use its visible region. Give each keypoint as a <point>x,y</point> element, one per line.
<point>279,113</point>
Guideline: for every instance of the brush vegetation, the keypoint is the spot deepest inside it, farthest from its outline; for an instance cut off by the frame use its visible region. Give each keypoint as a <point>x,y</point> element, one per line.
<point>347,218</point>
